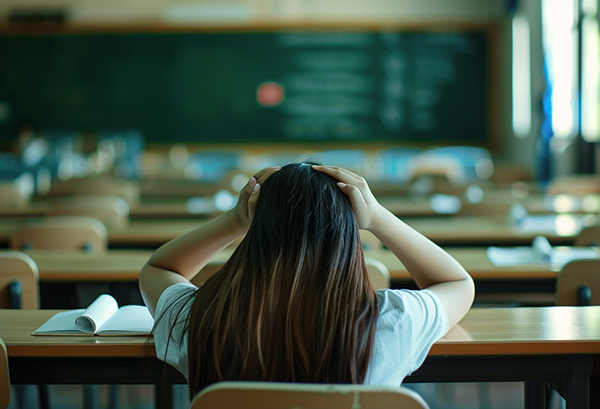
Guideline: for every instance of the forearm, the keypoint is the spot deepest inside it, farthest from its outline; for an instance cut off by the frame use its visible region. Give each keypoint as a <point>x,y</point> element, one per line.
<point>427,263</point>
<point>187,254</point>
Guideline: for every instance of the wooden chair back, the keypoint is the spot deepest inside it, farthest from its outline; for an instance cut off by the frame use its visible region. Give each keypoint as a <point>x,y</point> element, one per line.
<point>378,273</point>
<point>61,232</point>
<point>4,376</point>
<point>578,283</point>
<point>589,236</point>
<point>18,281</point>
<point>281,395</point>
<point>17,192</point>
<point>574,185</point>
<point>112,211</point>
<point>129,190</point>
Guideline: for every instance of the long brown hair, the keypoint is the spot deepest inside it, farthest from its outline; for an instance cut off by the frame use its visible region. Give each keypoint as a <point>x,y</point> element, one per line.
<point>294,302</point>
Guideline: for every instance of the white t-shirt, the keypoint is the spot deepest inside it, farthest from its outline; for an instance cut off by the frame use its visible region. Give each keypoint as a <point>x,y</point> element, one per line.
<point>409,323</point>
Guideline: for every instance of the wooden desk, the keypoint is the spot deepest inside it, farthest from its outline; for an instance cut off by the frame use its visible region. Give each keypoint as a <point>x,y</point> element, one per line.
<point>124,265</point>
<point>457,231</point>
<point>450,231</point>
<point>555,345</point>
<point>532,284</point>
<point>496,202</point>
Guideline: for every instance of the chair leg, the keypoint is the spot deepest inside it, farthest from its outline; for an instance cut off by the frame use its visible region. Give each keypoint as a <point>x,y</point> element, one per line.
<point>43,396</point>
<point>90,396</point>
<point>20,396</point>
<point>114,397</point>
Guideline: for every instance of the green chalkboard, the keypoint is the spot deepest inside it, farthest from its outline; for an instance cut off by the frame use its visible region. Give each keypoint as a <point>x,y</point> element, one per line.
<point>280,86</point>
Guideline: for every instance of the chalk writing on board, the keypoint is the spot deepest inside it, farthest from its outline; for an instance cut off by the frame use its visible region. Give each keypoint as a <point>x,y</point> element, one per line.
<point>399,86</point>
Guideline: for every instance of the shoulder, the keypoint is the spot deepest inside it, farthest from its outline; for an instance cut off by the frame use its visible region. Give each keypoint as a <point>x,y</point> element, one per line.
<point>409,322</point>
<point>174,299</point>
<point>413,313</point>
<point>407,300</point>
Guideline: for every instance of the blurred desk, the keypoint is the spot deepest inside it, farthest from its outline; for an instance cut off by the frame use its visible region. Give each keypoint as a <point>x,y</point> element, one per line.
<point>532,284</point>
<point>125,265</point>
<point>501,230</point>
<point>495,203</point>
<point>553,345</point>
<point>451,231</point>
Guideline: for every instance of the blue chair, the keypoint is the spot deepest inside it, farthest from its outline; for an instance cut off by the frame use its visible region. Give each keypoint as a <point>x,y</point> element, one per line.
<point>211,166</point>
<point>355,160</point>
<point>395,164</point>
<point>475,162</point>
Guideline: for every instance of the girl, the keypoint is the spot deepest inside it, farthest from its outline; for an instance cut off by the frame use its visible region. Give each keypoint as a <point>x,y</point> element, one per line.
<point>294,302</point>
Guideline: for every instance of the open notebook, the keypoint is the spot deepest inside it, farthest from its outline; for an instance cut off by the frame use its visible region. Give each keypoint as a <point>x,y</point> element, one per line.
<point>540,252</point>
<point>102,317</point>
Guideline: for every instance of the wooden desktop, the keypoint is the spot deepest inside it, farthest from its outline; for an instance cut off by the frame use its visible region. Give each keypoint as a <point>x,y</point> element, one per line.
<point>554,345</point>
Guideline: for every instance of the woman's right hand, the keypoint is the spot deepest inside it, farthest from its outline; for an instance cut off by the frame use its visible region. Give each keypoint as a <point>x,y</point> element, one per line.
<point>366,207</point>
<point>245,208</point>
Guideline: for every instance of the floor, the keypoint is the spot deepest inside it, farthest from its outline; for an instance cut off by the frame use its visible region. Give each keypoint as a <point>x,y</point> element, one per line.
<point>508,395</point>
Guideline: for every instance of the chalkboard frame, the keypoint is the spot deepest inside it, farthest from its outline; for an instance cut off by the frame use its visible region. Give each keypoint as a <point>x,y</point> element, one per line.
<point>491,29</point>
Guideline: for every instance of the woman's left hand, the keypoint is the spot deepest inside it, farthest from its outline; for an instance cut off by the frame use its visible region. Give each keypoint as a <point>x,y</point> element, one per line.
<point>245,208</point>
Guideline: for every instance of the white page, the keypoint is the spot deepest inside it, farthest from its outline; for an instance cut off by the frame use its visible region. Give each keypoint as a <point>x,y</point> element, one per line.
<point>62,322</point>
<point>542,249</point>
<point>562,255</point>
<point>513,256</point>
<point>97,313</point>
<point>130,319</point>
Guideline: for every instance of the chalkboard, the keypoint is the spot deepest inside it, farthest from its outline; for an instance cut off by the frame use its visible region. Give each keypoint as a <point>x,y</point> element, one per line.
<point>271,87</point>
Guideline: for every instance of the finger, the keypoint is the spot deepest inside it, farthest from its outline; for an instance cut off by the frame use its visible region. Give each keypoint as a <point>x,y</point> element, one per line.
<point>253,200</point>
<point>338,173</point>
<point>354,194</point>
<point>245,192</point>
<point>242,202</point>
<point>265,175</point>
<point>259,175</point>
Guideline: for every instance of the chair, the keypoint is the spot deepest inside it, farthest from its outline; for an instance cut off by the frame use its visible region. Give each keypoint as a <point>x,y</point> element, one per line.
<point>111,210</point>
<point>61,232</point>
<point>4,377</point>
<point>468,163</point>
<point>256,162</point>
<point>588,236</point>
<point>578,283</point>
<point>283,395</point>
<point>128,190</point>
<point>574,185</point>
<point>18,281</point>
<point>17,192</point>
<point>18,290</point>
<point>355,160</point>
<point>378,273</point>
<point>212,165</point>
<point>395,164</point>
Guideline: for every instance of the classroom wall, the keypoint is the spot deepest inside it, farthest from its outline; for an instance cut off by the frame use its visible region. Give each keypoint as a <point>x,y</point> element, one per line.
<point>509,150</point>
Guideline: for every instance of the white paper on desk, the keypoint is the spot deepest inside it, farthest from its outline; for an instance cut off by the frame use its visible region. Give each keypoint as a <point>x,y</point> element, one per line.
<point>540,252</point>
<point>547,223</point>
<point>97,313</point>
<point>128,320</point>
<point>61,323</point>
<point>536,223</point>
<point>102,317</point>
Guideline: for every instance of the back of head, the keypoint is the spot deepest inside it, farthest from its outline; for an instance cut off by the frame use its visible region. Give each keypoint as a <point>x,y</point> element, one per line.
<point>294,302</point>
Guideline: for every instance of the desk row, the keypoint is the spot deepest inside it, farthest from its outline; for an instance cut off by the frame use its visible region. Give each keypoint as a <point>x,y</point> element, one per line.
<point>453,231</point>
<point>553,345</point>
<point>529,282</point>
